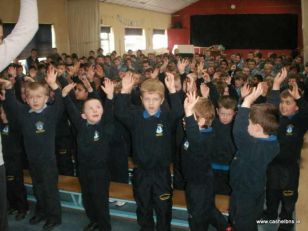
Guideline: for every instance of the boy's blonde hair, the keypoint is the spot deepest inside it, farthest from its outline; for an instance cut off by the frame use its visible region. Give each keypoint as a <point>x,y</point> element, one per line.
<point>205,109</point>
<point>152,86</point>
<point>33,86</point>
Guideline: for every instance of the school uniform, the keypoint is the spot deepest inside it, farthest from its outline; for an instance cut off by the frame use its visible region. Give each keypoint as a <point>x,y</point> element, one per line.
<point>3,195</point>
<point>222,155</point>
<point>248,173</point>
<point>39,131</point>
<point>283,172</point>
<point>199,178</point>
<point>151,142</point>
<point>12,155</point>
<point>93,149</point>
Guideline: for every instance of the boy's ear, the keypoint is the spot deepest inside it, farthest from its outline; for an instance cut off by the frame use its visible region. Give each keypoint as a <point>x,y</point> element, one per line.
<point>83,116</point>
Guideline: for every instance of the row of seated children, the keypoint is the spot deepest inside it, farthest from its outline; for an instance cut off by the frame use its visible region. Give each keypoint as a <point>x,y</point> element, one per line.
<point>200,87</point>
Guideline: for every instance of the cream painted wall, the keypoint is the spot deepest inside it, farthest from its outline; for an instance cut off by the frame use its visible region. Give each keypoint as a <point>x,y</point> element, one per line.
<point>305,28</point>
<point>50,12</point>
<point>120,17</point>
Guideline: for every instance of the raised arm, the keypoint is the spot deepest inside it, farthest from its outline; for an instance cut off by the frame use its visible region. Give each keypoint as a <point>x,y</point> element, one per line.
<point>274,95</point>
<point>71,108</point>
<point>176,111</point>
<point>191,126</point>
<point>122,102</point>
<point>26,27</point>
<point>108,88</point>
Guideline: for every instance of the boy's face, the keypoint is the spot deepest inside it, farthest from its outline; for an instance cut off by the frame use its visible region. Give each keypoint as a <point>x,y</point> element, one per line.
<point>93,111</point>
<point>80,92</point>
<point>225,115</point>
<point>287,106</point>
<point>37,98</point>
<point>61,69</point>
<point>238,83</point>
<point>151,102</point>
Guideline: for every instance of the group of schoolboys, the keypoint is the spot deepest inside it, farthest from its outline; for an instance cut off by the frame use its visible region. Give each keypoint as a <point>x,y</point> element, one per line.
<point>216,154</point>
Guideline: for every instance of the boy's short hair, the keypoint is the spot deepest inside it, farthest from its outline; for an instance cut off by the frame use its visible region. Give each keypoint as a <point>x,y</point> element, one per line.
<point>266,115</point>
<point>88,100</point>
<point>227,102</point>
<point>285,94</point>
<point>33,86</point>
<point>205,109</point>
<point>153,86</point>
<point>240,76</point>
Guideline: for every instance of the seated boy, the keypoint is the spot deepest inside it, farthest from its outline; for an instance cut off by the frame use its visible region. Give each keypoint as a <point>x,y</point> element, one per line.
<point>253,131</point>
<point>196,165</point>
<point>151,128</point>
<point>94,134</point>
<point>223,144</point>
<point>38,122</point>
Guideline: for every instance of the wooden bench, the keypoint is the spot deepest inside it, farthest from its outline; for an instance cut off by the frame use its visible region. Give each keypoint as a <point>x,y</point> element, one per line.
<point>124,192</point>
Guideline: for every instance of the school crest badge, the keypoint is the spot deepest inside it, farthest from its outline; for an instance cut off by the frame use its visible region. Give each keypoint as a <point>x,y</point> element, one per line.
<point>186,145</point>
<point>39,127</point>
<point>5,130</point>
<point>289,130</point>
<point>159,130</point>
<point>96,136</point>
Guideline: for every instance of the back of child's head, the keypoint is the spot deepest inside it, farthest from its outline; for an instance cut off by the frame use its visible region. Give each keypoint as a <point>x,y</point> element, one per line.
<point>35,86</point>
<point>227,102</point>
<point>266,115</point>
<point>204,109</point>
<point>152,86</point>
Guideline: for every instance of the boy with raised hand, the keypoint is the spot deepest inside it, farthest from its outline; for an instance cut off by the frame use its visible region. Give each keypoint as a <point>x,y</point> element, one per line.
<point>38,122</point>
<point>254,129</point>
<point>283,172</point>
<point>196,164</point>
<point>151,128</point>
<point>94,133</point>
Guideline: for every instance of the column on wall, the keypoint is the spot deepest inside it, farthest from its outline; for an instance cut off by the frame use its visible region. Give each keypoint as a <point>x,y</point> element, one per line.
<point>83,21</point>
<point>305,28</point>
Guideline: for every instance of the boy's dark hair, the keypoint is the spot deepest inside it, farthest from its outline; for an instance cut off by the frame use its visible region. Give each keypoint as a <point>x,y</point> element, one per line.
<point>266,115</point>
<point>285,94</point>
<point>240,75</point>
<point>227,102</point>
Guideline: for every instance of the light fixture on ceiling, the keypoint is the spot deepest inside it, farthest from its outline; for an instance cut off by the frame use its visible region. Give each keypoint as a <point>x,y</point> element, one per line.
<point>233,6</point>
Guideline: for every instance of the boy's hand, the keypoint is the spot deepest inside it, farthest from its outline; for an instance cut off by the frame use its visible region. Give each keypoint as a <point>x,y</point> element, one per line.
<point>86,83</point>
<point>155,73</point>
<point>181,65</point>
<point>256,92</point>
<point>127,83</point>
<point>280,77</point>
<point>205,90</point>
<point>245,90</point>
<point>51,77</point>
<point>295,92</point>
<point>67,89</point>
<point>2,95</point>
<point>170,83</point>
<point>108,88</point>
<point>28,79</point>
<point>6,83</point>
<point>189,103</point>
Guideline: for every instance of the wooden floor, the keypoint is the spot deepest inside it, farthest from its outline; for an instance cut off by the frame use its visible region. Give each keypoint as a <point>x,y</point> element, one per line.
<point>302,203</point>
<point>124,191</point>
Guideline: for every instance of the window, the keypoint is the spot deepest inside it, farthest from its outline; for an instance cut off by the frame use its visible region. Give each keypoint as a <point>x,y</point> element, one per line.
<point>159,39</point>
<point>107,39</point>
<point>134,39</point>
<point>43,40</point>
